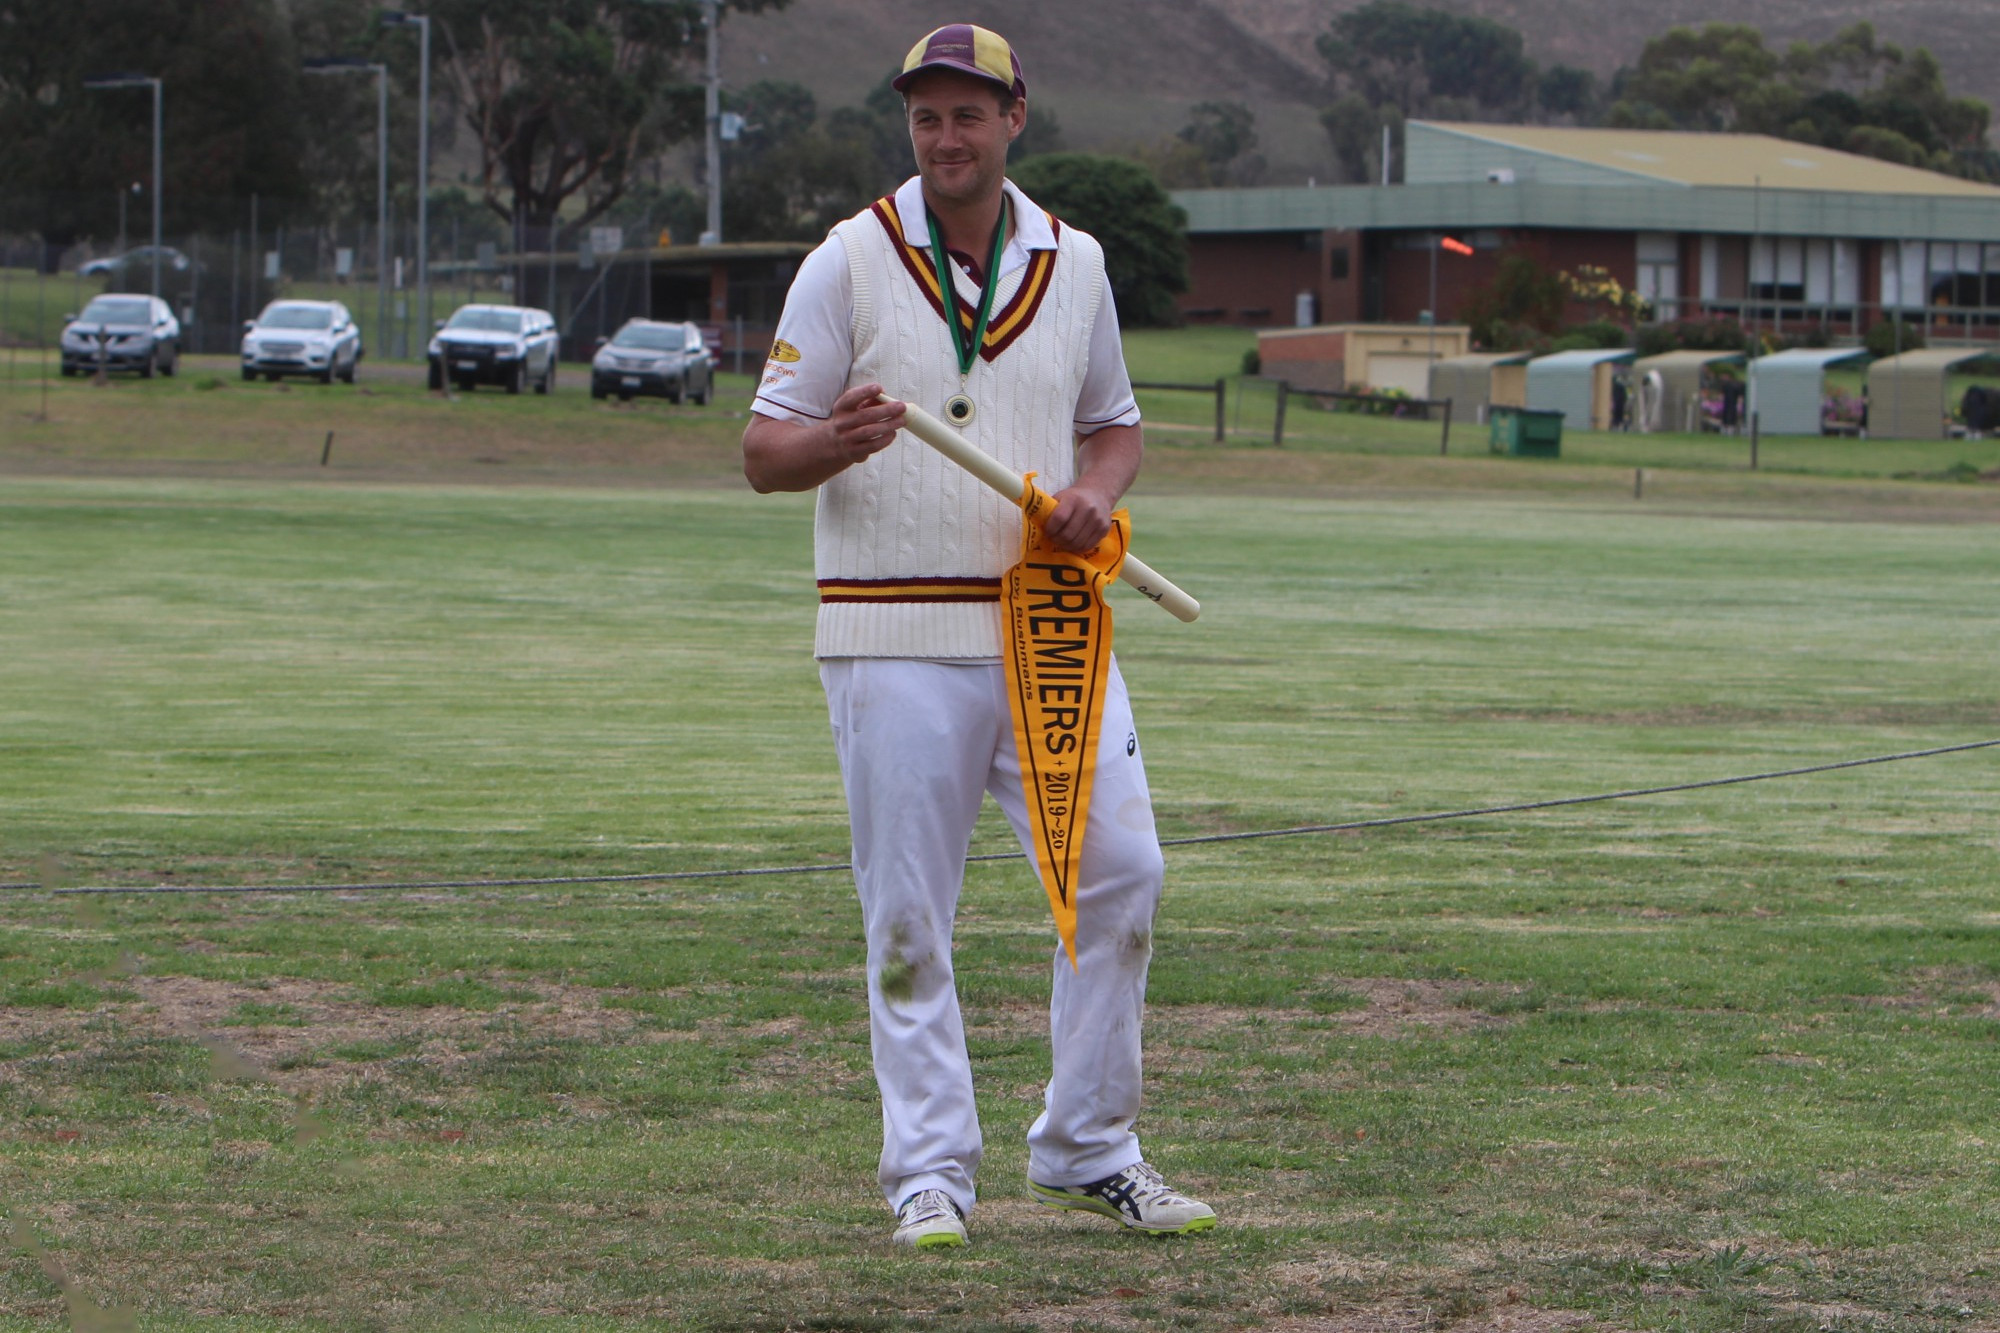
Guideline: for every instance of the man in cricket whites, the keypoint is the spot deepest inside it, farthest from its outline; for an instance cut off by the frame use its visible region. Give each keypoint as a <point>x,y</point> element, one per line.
<point>959,295</point>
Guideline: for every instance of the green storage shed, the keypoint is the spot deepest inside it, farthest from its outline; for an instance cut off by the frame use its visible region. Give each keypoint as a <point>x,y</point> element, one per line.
<point>1788,389</point>
<point>1576,384</point>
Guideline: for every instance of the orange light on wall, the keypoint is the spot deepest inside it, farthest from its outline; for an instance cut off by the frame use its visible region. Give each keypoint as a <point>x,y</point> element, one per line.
<point>1456,246</point>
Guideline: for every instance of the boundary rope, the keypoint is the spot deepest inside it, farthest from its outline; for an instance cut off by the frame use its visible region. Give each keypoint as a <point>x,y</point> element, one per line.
<point>666,876</point>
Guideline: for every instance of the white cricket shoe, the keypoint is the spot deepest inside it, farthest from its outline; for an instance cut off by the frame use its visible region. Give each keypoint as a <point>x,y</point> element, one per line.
<point>929,1220</point>
<point>1137,1197</point>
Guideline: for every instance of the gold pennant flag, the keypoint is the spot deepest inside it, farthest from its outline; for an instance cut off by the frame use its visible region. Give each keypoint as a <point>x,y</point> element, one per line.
<point>1058,660</point>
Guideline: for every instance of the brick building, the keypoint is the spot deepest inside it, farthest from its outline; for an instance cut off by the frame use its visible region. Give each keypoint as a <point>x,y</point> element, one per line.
<point>1745,226</point>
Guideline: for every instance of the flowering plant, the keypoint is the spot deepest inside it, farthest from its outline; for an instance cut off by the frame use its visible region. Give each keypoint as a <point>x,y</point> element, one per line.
<point>1595,286</point>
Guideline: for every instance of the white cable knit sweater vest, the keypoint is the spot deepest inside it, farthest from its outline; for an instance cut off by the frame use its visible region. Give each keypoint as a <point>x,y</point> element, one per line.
<point>908,548</point>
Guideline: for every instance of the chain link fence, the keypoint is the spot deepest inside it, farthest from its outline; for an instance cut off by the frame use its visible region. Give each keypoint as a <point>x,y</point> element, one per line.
<point>215,280</point>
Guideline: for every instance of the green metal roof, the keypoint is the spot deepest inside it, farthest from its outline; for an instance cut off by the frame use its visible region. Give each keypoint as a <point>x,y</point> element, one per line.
<point>1640,206</point>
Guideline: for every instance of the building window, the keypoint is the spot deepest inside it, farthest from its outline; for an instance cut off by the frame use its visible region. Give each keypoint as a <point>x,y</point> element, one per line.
<point>1833,277</point>
<point>1336,267</point>
<point>1778,273</point>
<point>1659,273</point>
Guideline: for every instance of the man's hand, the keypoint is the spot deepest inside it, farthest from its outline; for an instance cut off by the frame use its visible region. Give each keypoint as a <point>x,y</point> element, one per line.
<point>1080,520</point>
<point>1107,461</point>
<point>788,456</point>
<point>863,423</point>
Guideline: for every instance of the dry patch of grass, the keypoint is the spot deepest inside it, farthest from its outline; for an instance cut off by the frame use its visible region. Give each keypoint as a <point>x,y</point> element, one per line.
<point>324,1036</point>
<point>1958,991</point>
<point>1173,1305</point>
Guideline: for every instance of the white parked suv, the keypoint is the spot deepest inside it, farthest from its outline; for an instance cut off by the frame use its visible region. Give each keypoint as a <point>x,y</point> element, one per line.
<point>122,332</point>
<point>316,338</point>
<point>510,345</point>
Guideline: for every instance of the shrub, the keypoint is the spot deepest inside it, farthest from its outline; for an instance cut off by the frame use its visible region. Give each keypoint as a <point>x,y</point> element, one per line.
<point>1691,335</point>
<point>1596,333</point>
<point>1143,232</point>
<point>1523,303</point>
<point>1881,340</point>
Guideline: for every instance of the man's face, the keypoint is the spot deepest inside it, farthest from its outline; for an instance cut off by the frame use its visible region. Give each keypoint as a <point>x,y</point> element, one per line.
<point>960,134</point>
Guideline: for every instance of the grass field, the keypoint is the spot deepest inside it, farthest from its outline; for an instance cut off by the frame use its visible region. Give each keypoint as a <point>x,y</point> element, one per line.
<point>1718,1060</point>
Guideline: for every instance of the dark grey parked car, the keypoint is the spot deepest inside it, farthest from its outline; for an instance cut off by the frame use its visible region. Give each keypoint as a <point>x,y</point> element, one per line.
<point>648,357</point>
<point>122,333</point>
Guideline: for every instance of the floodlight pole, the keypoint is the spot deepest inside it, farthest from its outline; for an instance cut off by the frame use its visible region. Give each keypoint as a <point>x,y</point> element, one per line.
<point>396,18</point>
<point>346,65</point>
<point>157,85</point>
<point>158,88</point>
<point>382,206</point>
<point>711,19</point>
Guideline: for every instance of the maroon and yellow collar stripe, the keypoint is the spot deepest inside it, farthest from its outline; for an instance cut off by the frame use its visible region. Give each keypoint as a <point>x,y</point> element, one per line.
<point>1004,325</point>
<point>939,589</point>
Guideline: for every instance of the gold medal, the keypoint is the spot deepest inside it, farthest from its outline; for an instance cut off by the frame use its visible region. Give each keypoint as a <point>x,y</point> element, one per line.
<point>959,410</point>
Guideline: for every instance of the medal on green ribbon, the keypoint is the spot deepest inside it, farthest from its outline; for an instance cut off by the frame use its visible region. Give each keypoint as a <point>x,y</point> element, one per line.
<point>959,408</point>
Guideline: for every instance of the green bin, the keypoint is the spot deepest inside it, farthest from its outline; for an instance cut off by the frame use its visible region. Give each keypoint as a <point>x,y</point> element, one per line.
<point>1525,432</point>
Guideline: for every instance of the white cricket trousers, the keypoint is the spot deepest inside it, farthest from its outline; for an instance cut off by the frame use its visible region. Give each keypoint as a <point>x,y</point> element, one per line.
<point>919,744</point>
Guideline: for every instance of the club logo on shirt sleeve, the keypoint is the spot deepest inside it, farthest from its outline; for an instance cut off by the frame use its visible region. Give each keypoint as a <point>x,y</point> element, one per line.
<point>784,351</point>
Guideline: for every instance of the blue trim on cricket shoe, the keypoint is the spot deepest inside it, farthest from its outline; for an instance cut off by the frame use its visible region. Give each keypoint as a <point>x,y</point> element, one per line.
<point>1136,1198</point>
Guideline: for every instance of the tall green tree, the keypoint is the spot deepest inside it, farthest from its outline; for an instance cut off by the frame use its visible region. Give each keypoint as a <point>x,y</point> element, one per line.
<point>1852,92</point>
<point>1220,131</point>
<point>1391,53</point>
<point>790,177</point>
<point>1354,126</point>
<point>1143,232</point>
<point>230,119</point>
<point>1392,61</point>
<point>565,98</point>
<point>1720,77</point>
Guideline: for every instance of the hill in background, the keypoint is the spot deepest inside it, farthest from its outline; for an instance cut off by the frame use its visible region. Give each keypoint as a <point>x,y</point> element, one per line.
<point>1119,72</point>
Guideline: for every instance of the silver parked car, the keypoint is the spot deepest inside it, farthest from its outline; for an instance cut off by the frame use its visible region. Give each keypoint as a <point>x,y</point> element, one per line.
<point>136,261</point>
<point>510,345</point>
<point>316,338</point>
<point>122,332</point>
<point>647,357</point>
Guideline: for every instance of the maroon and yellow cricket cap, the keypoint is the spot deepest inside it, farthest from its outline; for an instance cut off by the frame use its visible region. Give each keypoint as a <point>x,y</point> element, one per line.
<point>969,49</point>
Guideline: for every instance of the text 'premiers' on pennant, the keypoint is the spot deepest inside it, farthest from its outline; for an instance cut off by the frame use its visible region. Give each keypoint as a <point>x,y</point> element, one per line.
<point>1058,662</point>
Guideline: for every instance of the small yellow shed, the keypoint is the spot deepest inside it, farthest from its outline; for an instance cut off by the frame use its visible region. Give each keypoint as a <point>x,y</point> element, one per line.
<point>1908,395</point>
<point>1353,357</point>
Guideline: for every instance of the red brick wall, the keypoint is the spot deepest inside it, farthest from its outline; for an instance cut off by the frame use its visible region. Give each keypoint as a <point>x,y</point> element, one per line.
<point>1232,278</point>
<point>1254,279</point>
<point>1246,278</point>
<point>1406,273</point>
